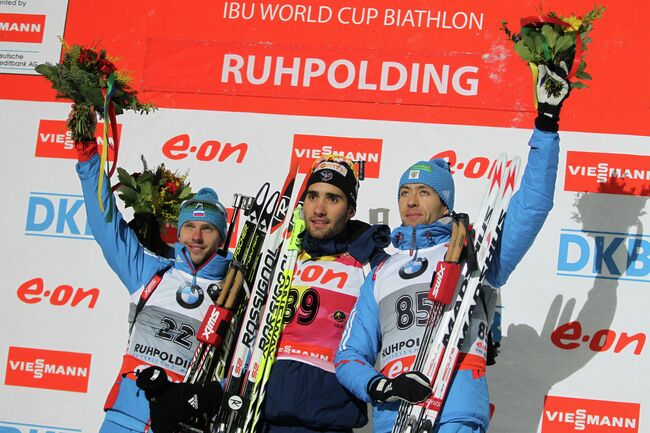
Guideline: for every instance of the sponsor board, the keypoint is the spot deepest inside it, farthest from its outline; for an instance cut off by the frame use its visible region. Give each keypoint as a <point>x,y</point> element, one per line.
<point>48,369</point>
<point>34,291</point>
<point>600,254</point>
<point>307,148</point>
<point>476,167</point>
<point>22,28</point>
<point>57,215</point>
<point>569,336</point>
<point>608,173</point>
<point>181,147</point>
<point>29,36</point>
<point>54,140</point>
<point>569,415</point>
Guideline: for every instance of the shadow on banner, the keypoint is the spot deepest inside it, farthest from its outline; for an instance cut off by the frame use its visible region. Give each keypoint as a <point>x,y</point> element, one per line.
<point>530,365</point>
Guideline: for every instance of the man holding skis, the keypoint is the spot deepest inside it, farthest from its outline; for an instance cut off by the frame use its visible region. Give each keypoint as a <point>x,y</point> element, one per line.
<point>303,394</point>
<point>165,318</point>
<point>384,330</point>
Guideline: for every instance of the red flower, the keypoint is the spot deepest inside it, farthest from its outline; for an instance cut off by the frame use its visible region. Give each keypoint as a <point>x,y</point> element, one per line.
<point>171,187</point>
<point>106,67</point>
<point>87,56</point>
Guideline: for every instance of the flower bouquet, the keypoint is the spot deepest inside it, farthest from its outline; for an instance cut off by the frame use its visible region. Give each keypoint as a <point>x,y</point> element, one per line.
<point>87,77</point>
<point>155,196</point>
<point>90,78</point>
<point>159,192</point>
<point>557,42</point>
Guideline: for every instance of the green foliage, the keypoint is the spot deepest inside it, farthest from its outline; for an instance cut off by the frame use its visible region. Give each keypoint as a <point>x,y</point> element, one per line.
<point>81,76</point>
<point>159,192</point>
<point>553,44</point>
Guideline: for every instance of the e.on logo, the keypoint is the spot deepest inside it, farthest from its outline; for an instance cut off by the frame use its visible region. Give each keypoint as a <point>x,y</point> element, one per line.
<point>48,369</point>
<point>314,274</point>
<point>54,140</point>
<point>473,168</point>
<point>610,173</point>
<point>307,148</point>
<point>568,415</point>
<point>181,147</point>
<point>569,336</point>
<point>22,28</point>
<point>34,291</point>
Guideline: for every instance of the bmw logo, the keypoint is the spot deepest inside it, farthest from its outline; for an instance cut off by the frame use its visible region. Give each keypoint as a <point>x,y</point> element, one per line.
<point>414,268</point>
<point>189,296</point>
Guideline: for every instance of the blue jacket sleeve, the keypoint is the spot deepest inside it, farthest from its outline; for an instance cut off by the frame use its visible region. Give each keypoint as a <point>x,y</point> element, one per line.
<point>529,206</point>
<point>360,343</point>
<point>119,244</point>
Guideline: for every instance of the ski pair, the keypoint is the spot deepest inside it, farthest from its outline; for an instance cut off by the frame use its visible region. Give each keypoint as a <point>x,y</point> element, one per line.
<point>218,317</point>
<point>454,292</point>
<point>220,326</point>
<point>263,321</point>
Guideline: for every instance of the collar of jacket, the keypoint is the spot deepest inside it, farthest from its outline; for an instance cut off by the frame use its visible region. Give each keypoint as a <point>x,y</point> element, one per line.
<point>360,239</point>
<point>421,236</point>
<point>213,269</point>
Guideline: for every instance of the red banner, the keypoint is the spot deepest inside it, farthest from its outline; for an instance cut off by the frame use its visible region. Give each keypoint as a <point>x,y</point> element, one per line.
<point>49,369</point>
<point>570,415</point>
<point>609,173</point>
<point>21,28</point>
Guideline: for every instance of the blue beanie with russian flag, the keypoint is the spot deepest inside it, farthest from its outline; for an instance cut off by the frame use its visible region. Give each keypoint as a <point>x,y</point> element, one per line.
<point>204,206</point>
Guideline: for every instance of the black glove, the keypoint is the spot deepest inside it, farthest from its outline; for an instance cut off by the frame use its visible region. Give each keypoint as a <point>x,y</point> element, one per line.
<point>412,387</point>
<point>552,90</point>
<point>171,403</point>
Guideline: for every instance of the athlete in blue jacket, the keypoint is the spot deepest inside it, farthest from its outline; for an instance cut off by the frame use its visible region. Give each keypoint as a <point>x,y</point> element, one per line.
<point>388,320</point>
<point>162,332</point>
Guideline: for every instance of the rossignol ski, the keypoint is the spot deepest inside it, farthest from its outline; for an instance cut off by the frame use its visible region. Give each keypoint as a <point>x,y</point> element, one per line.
<point>217,318</point>
<point>455,292</point>
<point>232,403</point>
<point>220,326</point>
<point>271,322</point>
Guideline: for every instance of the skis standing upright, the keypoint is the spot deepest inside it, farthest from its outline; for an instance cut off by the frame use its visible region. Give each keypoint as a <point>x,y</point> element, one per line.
<point>271,323</point>
<point>454,297</point>
<point>209,336</point>
<point>232,403</point>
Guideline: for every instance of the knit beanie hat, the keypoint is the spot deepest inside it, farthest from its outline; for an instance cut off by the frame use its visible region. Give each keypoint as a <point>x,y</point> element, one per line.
<point>338,171</point>
<point>204,206</point>
<point>434,173</point>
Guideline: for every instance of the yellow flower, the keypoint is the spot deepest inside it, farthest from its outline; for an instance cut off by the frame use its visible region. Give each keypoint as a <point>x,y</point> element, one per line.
<point>574,23</point>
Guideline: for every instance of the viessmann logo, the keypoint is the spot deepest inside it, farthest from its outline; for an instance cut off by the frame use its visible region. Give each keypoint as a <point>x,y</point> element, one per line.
<point>54,140</point>
<point>569,415</point>
<point>22,28</point>
<point>611,173</point>
<point>307,148</point>
<point>48,369</point>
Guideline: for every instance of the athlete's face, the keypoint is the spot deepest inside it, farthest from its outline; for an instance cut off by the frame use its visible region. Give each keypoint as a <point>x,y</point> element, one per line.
<point>420,204</point>
<point>201,240</point>
<point>326,210</point>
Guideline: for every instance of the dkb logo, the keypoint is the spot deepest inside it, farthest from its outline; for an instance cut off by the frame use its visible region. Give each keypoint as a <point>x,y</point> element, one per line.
<point>57,215</point>
<point>595,254</point>
<point>18,427</point>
